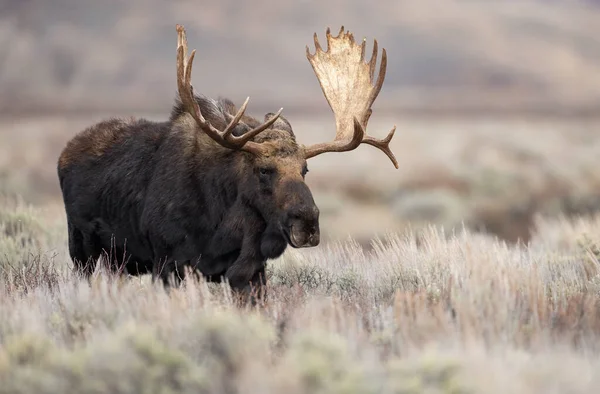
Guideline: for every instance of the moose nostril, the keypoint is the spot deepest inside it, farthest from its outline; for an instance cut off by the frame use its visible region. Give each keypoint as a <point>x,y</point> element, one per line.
<point>296,216</point>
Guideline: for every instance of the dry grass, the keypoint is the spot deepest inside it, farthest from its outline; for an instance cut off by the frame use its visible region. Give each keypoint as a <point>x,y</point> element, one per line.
<point>432,307</point>
<point>425,312</point>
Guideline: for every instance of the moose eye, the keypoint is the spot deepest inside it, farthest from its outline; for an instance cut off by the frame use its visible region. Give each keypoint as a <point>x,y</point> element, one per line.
<point>264,171</point>
<point>304,170</point>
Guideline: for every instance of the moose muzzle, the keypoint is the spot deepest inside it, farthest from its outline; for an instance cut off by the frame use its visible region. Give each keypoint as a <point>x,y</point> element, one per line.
<point>301,218</point>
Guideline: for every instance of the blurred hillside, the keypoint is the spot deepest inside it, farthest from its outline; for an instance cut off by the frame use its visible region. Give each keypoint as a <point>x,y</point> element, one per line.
<point>76,55</point>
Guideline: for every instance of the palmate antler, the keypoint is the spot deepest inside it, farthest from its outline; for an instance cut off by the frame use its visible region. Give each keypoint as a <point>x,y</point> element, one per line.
<point>347,83</point>
<point>224,138</point>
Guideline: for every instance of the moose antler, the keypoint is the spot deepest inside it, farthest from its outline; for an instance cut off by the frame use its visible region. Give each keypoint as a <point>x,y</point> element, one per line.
<point>347,83</point>
<point>224,138</point>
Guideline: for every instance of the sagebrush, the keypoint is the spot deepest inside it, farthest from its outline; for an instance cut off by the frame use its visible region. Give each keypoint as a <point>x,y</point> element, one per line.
<point>423,312</point>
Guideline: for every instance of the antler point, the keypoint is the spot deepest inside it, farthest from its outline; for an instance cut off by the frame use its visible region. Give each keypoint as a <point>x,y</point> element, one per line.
<point>317,44</point>
<point>307,52</point>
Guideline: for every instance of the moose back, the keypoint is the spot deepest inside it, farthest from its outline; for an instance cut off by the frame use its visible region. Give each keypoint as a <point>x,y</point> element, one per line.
<point>210,187</point>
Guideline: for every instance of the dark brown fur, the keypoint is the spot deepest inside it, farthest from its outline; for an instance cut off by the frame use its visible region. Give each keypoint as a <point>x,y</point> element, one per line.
<point>94,141</point>
<point>157,196</point>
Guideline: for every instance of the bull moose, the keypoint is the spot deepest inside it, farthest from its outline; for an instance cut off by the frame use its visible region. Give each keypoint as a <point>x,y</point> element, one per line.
<point>210,187</point>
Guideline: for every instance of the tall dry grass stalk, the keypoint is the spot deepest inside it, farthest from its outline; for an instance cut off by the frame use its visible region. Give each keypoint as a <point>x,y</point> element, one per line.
<point>423,312</point>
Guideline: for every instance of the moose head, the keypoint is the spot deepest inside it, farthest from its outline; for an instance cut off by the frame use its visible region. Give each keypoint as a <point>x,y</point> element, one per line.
<point>275,183</point>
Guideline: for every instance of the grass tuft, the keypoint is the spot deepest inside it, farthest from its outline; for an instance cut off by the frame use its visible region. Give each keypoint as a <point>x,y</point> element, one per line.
<point>427,311</point>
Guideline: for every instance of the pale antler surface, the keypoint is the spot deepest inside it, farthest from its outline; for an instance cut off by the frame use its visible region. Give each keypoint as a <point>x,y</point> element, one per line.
<point>224,138</point>
<point>347,84</point>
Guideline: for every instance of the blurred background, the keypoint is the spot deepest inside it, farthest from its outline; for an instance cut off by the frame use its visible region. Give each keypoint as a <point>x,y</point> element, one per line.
<point>496,102</point>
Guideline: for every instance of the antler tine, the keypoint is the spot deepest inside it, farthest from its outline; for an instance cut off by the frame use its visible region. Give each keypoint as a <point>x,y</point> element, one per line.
<point>317,45</point>
<point>373,60</point>
<point>184,75</point>
<point>256,131</point>
<point>347,84</point>
<point>382,70</point>
<point>224,138</point>
<point>383,145</point>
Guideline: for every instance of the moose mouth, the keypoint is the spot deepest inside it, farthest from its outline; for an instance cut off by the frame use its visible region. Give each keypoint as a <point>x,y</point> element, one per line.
<point>294,239</point>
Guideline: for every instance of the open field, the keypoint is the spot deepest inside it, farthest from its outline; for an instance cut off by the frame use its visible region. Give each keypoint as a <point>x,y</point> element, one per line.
<point>473,268</point>
<point>488,174</point>
<point>426,313</point>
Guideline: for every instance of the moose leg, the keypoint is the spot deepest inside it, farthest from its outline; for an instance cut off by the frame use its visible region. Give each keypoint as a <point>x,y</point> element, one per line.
<point>258,286</point>
<point>83,252</point>
<point>247,286</point>
<point>161,269</point>
<point>246,275</point>
<point>77,251</point>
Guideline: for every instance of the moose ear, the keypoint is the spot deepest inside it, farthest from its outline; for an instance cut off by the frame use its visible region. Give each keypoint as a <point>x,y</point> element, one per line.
<point>280,124</point>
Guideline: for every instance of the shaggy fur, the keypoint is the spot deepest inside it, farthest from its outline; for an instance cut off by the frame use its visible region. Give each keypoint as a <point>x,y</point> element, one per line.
<point>156,196</point>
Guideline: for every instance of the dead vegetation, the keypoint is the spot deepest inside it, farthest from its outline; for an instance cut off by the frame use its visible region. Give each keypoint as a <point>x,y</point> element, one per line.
<point>430,306</point>
<point>423,312</point>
